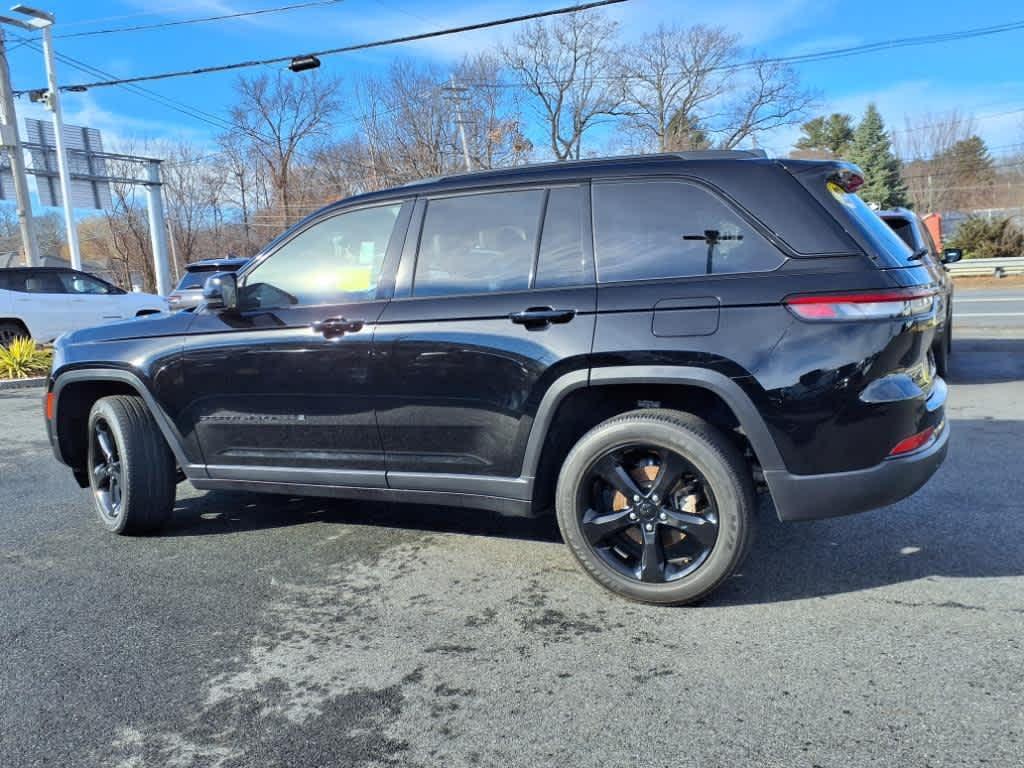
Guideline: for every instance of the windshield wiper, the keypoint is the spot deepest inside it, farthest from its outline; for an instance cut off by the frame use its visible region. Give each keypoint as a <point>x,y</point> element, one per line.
<point>919,254</point>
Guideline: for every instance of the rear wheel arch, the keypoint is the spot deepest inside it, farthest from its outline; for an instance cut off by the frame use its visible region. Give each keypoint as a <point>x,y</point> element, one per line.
<point>574,407</point>
<point>16,324</point>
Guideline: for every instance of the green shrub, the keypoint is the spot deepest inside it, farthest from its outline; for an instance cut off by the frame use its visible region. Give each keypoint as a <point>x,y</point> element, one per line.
<point>982,238</point>
<point>23,359</point>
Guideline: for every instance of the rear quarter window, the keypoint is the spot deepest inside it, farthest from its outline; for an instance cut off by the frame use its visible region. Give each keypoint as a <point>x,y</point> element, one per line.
<point>886,244</point>
<point>650,229</point>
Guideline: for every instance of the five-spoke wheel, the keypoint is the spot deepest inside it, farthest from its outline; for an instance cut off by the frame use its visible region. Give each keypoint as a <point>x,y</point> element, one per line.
<point>105,467</point>
<point>656,505</point>
<point>648,513</point>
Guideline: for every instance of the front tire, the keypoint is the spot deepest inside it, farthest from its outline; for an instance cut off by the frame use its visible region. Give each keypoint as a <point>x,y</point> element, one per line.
<point>657,506</point>
<point>132,471</point>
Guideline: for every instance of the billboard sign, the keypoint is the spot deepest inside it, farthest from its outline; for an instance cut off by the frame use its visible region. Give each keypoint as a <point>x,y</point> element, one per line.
<point>90,185</point>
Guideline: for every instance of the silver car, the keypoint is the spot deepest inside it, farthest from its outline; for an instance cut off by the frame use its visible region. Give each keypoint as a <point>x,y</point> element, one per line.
<point>189,293</point>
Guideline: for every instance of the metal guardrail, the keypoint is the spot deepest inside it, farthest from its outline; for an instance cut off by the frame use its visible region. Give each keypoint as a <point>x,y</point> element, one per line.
<point>987,267</point>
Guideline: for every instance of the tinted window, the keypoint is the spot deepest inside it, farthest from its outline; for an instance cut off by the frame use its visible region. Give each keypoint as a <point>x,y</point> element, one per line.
<point>886,243</point>
<point>30,281</point>
<point>562,260</point>
<point>335,261</point>
<point>478,243</point>
<point>903,228</point>
<point>655,229</point>
<point>195,277</point>
<point>76,282</point>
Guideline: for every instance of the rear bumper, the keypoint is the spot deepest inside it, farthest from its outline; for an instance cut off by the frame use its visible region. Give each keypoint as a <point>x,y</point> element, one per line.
<point>814,497</point>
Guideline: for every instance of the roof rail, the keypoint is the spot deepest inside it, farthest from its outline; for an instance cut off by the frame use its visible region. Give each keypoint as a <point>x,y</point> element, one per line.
<point>700,154</point>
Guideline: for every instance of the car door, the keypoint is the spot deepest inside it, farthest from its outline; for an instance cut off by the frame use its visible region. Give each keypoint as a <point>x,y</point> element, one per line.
<point>282,388</point>
<point>92,301</point>
<point>495,300</point>
<point>40,301</point>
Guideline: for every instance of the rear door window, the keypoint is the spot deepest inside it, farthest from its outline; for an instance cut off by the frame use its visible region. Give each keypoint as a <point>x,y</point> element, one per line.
<point>650,229</point>
<point>563,260</point>
<point>35,282</point>
<point>478,243</point>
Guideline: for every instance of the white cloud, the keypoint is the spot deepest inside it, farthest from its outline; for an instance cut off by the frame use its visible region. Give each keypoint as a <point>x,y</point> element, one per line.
<point>119,130</point>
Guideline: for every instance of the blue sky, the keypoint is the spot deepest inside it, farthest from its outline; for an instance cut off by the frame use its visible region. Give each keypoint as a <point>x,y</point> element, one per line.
<point>981,76</point>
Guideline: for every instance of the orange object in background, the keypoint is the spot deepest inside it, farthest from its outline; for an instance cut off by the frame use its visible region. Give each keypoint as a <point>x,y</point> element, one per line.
<point>934,223</point>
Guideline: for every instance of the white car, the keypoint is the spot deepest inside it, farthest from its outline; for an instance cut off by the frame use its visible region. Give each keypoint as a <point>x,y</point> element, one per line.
<point>44,302</point>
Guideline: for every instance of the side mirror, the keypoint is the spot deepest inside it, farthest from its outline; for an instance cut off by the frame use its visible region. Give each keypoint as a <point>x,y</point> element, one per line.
<point>952,255</point>
<point>221,291</point>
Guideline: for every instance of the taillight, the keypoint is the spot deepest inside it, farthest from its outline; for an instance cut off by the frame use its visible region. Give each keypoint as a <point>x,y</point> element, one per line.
<point>913,442</point>
<point>848,179</point>
<point>873,305</point>
<point>173,298</point>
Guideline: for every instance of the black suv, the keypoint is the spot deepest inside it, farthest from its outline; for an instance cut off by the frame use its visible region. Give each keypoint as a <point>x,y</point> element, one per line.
<point>643,343</point>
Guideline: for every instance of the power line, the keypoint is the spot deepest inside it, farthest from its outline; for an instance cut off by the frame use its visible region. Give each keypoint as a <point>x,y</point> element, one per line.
<point>814,56</point>
<point>346,49</point>
<point>182,22</point>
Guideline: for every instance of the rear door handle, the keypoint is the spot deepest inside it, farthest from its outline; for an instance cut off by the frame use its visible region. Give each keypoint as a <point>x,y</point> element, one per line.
<point>337,326</point>
<point>542,317</point>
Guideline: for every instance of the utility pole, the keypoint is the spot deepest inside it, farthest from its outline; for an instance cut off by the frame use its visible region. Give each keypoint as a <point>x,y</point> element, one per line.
<point>9,137</point>
<point>43,21</point>
<point>157,230</point>
<point>457,94</point>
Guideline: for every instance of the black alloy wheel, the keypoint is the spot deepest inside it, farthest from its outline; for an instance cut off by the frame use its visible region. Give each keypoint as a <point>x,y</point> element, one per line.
<point>108,479</point>
<point>648,513</point>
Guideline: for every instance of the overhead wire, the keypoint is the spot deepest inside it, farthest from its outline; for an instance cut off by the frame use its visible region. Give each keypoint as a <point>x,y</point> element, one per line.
<point>504,21</point>
<point>202,20</point>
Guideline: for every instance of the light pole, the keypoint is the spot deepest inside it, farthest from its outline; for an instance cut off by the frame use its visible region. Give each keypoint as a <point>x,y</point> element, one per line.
<point>9,138</point>
<point>43,21</point>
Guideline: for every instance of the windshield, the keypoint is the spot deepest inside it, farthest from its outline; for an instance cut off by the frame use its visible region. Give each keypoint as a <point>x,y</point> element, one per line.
<point>887,244</point>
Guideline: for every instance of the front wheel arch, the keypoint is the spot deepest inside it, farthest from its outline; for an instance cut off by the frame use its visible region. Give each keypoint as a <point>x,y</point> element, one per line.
<point>77,391</point>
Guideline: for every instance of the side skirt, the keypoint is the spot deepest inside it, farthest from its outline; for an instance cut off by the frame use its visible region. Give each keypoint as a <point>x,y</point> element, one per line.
<point>501,505</point>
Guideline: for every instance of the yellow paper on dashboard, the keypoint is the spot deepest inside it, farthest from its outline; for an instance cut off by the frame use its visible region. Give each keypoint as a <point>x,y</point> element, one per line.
<point>355,279</point>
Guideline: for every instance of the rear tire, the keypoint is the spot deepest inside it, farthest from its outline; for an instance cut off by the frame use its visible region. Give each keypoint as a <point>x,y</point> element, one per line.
<point>132,472</point>
<point>714,485</point>
<point>9,331</point>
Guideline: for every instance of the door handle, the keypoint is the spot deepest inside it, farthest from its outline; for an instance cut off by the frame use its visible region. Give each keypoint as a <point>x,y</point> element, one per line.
<point>337,326</point>
<point>541,317</point>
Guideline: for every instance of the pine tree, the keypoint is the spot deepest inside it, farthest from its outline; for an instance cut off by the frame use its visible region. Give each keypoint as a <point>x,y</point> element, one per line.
<point>831,134</point>
<point>872,151</point>
<point>685,133</point>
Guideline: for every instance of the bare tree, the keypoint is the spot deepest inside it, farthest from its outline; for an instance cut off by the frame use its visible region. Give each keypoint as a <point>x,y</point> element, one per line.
<point>768,95</point>
<point>567,68</point>
<point>668,79</point>
<point>491,112</point>
<point>281,116</point>
<point>407,124</point>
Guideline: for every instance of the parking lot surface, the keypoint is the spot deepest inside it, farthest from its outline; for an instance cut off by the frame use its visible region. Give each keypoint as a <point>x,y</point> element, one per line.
<point>268,631</point>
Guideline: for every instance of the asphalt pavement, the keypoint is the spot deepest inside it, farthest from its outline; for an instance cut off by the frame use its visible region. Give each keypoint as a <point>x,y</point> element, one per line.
<point>268,631</point>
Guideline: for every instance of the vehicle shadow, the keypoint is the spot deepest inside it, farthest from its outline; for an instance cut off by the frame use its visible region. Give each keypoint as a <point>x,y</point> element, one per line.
<point>986,360</point>
<point>948,529</point>
<point>965,523</point>
<point>220,512</point>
